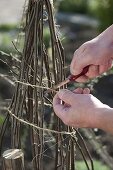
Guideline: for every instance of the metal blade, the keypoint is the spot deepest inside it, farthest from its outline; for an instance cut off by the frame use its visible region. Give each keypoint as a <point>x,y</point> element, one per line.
<point>61,83</point>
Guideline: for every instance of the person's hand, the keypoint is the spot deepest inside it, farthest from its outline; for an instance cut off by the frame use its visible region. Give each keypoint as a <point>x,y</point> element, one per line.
<point>79,108</point>
<point>97,53</point>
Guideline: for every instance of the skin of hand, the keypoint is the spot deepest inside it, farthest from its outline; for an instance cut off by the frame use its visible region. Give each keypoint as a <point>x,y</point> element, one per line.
<point>81,109</point>
<point>97,53</point>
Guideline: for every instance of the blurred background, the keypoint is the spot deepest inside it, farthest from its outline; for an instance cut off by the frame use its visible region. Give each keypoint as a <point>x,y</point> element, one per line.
<point>77,21</point>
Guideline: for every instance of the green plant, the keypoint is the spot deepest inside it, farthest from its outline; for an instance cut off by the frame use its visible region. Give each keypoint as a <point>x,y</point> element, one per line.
<point>47,37</point>
<point>5,42</point>
<point>8,27</point>
<point>80,165</point>
<point>1,119</point>
<point>103,10</point>
<point>79,6</point>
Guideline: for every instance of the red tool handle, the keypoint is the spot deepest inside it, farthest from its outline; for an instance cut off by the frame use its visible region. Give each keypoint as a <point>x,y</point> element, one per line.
<point>73,78</point>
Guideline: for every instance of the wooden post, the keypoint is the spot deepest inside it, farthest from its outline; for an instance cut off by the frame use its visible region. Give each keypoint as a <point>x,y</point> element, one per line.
<point>13,159</point>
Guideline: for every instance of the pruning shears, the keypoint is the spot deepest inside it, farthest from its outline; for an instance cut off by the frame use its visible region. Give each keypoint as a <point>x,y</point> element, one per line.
<point>71,78</point>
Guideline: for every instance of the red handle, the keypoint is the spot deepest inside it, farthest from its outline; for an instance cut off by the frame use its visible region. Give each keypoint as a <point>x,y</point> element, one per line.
<point>73,78</point>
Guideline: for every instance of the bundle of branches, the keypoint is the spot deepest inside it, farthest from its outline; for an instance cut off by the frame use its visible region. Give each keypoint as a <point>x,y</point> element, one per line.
<point>31,108</point>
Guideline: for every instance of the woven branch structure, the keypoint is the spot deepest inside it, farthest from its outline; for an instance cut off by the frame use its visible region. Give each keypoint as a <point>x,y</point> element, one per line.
<point>31,108</point>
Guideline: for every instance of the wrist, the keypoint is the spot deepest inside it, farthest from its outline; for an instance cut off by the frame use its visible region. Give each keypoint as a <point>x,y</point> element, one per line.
<point>104,119</point>
<point>105,43</point>
<point>107,35</point>
<point>105,39</point>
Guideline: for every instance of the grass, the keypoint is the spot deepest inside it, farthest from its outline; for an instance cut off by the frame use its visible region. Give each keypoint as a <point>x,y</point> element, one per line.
<point>80,165</point>
<point>2,118</point>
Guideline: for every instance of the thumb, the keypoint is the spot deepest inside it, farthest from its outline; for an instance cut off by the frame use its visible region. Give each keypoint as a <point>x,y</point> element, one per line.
<point>66,96</point>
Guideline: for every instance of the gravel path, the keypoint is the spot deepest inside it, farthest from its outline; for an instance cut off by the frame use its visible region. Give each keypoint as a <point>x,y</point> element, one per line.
<point>10,11</point>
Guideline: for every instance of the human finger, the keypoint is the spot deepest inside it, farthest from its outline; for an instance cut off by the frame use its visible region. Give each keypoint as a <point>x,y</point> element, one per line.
<point>103,68</point>
<point>93,71</point>
<point>59,108</point>
<point>82,91</point>
<point>110,62</point>
<point>86,91</point>
<point>79,61</point>
<point>82,79</point>
<point>66,95</point>
<point>78,91</point>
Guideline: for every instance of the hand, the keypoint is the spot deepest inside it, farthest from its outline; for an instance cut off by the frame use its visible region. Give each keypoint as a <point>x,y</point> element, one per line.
<point>98,53</point>
<point>79,110</point>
